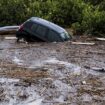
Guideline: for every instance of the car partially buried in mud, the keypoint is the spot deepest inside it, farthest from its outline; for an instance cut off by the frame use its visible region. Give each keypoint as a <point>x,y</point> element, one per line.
<point>37,29</point>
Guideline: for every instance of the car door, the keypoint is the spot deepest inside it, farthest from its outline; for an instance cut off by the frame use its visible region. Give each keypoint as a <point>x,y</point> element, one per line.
<point>41,31</point>
<point>53,36</point>
<point>27,26</point>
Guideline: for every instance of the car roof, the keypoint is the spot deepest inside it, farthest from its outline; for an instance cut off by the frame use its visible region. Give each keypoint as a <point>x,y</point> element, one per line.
<point>48,24</point>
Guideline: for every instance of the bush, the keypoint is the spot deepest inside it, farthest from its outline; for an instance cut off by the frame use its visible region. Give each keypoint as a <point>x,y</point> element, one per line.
<point>93,21</point>
<point>84,16</point>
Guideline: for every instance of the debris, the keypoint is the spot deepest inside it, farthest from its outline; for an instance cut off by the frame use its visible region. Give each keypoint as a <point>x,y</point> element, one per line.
<point>98,69</point>
<point>17,61</point>
<point>87,67</point>
<point>81,43</point>
<point>95,68</point>
<point>83,82</point>
<point>8,80</point>
<point>86,98</point>
<point>37,102</point>
<point>10,38</point>
<point>100,39</point>
<point>54,42</point>
<point>43,90</point>
<point>60,75</point>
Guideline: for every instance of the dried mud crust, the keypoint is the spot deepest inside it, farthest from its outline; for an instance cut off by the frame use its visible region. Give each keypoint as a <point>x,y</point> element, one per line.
<point>59,73</point>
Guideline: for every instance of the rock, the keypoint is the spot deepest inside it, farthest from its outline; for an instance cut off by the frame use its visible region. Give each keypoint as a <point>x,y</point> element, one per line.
<point>83,82</point>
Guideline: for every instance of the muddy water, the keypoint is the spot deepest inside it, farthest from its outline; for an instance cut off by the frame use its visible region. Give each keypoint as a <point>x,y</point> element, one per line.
<point>50,74</point>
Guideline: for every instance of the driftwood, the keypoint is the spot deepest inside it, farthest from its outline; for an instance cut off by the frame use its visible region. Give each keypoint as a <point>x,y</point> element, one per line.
<point>82,43</point>
<point>95,68</point>
<point>10,38</point>
<point>98,69</point>
<point>100,39</point>
<point>8,30</point>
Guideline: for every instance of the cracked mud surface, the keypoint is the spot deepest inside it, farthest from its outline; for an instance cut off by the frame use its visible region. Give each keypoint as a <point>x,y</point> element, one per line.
<point>52,73</point>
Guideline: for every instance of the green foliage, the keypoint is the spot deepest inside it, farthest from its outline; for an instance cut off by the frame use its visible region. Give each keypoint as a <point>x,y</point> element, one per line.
<point>84,16</point>
<point>93,21</point>
<point>94,2</point>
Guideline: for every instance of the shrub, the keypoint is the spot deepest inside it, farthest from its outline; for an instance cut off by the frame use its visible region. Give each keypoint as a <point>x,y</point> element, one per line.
<point>84,16</point>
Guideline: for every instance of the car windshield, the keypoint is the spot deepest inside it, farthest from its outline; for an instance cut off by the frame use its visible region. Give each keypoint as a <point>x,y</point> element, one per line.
<point>65,35</point>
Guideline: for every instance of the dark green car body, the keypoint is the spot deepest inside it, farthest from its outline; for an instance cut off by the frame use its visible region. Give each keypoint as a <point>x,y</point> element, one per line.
<point>39,29</point>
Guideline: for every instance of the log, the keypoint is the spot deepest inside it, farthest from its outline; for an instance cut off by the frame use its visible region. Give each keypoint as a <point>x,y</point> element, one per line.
<point>82,43</point>
<point>10,38</point>
<point>100,39</point>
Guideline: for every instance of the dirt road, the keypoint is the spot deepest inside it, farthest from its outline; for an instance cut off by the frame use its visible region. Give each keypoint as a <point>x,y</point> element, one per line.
<point>52,73</point>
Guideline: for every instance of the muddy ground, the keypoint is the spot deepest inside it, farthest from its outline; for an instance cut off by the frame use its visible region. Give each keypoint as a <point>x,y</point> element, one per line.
<point>43,73</point>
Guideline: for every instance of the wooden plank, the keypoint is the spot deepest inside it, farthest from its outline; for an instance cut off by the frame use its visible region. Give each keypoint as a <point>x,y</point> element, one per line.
<point>82,43</point>
<point>100,39</point>
<point>10,38</point>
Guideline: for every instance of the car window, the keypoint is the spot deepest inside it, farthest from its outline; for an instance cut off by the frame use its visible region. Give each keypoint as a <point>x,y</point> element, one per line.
<point>53,36</point>
<point>28,24</point>
<point>41,30</point>
<point>33,27</point>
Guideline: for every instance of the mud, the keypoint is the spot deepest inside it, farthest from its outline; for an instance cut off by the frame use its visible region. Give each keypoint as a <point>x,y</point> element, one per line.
<point>43,73</point>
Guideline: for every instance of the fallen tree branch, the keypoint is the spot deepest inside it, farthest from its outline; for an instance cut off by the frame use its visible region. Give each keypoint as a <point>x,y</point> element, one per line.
<point>82,43</point>
<point>100,39</point>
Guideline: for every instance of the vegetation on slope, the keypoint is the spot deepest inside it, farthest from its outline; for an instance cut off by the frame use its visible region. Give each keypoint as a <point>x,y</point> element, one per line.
<point>84,16</point>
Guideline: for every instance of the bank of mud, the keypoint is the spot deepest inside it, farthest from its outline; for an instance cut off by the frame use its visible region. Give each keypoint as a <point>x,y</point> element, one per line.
<point>52,73</point>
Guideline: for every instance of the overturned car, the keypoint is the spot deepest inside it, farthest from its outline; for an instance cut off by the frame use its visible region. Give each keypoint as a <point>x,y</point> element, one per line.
<point>37,29</point>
